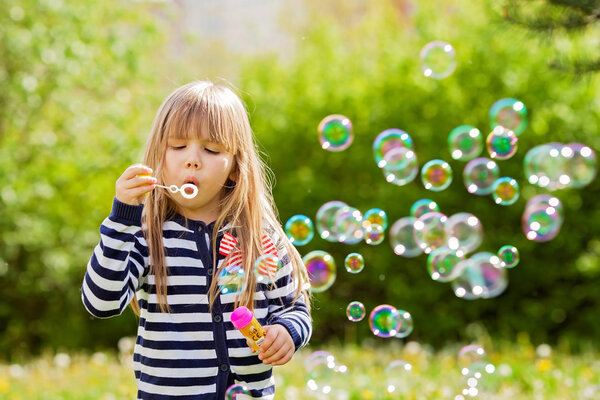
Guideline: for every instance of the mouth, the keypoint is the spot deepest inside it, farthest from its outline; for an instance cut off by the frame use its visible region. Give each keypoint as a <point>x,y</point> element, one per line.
<point>190,180</point>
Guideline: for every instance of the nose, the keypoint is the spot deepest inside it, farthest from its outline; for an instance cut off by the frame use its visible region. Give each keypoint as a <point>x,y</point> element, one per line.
<point>195,164</point>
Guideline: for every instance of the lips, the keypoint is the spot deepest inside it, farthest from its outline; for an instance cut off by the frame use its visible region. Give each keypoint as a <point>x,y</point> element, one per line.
<point>190,180</point>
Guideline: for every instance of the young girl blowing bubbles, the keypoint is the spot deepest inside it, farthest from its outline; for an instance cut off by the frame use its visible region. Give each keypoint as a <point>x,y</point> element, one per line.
<point>163,251</point>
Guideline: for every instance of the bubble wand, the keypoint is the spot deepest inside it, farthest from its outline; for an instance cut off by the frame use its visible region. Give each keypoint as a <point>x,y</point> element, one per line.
<point>183,189</point>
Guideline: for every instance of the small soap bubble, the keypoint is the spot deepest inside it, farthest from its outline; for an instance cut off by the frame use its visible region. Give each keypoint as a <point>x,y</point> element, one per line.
<point>374,234</point>
<point>465,142</point>
<point>472,360</point>
<point>388,140</point>
<point>442,264</point>
<point>541,222</point>
<point>509,113</point>
<point>509,256</point>
<point>324,374</point>
<point>430,231</point>
<point>501,143</point>
<point>479,176</point>
<point>376,216</point>
<point>266,267</point>
<point>354,263</point>
<point>355,311</point>
<point>505,191</point>
<point>335,133</point>
<point>464,231</point>
<point>423,206</point>
<point>405,324</point>
<point>438,59</point>
<point>299,229</point>
<point>399,377</point>
<point>320,266</point>
<point>237,391</point>
<point>383,321</point>
<point>400,166</point>
<point>402,238</point>
<point>482,277</point>
<point>436,175</point>
<point>325,220</point>
<point>232,279</point>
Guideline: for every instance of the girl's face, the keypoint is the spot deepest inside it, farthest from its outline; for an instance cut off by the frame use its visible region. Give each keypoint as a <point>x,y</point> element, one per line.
<point>200,162</point>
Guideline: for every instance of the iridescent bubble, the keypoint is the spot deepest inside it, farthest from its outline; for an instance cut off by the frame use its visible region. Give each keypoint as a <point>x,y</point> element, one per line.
<point>472,361</point>
<point>266,267</point>
<point>423,206</point>
<point>401,166</point>
<point>324,374</point>
<point>464,231</point>
<point>545,166</point>
<point>388,140</point>
<point>509,113</point>
<point>335,133</point>
<point>465,142</point>
<point>509,256</point>
<point>542,218</point>
<point>429,231</point>
<point>479,176</point>
<point>438,59</point>
<point>232,279</point>
<point>325,221</point>
<point>355,311</point>
<point>349,225</point>
<point>402,238</point>
<point>501,143</point>
<point>320,266</point>
<point>376,216</point>
<point>399,377</point>
<point>436,175</point>
<point>442,264</point>
<point>237,391</point>
<point>299,229</point>
<point>581,167</point>
<point>383,321</point>
<point>505,191</point>
<point>354,263</point>
<point>405,324</point>
<point>482,277</point>
<point>374,234</point>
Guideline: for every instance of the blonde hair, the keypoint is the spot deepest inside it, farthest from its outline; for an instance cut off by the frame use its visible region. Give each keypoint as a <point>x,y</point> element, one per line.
<point>248,206</point>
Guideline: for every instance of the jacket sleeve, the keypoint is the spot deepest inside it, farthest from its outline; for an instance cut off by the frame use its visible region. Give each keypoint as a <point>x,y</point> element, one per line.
<point>283,310</point>
<point>118,263</point>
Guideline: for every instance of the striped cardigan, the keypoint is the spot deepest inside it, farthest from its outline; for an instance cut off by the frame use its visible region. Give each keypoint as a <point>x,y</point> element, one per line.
<point>189,353</point>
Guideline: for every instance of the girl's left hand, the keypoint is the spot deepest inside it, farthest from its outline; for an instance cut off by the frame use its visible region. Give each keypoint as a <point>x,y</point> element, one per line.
<point>278,346</point>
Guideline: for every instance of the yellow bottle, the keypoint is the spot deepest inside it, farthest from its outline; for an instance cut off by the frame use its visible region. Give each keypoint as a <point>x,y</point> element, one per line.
<point>243,319</point>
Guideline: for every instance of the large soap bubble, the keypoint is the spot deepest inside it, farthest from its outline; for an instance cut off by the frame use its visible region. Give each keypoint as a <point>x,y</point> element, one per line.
<point>335,133</point>
<point>509,113</point>
<point>430,231</point>
<point>465,142</point>
<point>400,166</point>
<point>479,176</point>
<point>326,222</point>
<point>442,264</point>
<point>388,140</point>
<point>320,266</point>
<point>483,277</point>
<point>501,143</point>
<point>542,218</point>
<point>299,229</point>
<point>464,231</point>
<point>402,238</point>
<point>436,175</point>
<point>438,59</point>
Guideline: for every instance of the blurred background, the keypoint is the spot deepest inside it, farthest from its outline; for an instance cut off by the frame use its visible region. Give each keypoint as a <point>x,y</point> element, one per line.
<point>80,84</point>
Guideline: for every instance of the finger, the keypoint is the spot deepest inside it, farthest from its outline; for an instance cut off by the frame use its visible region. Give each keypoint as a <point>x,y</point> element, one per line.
<point>270,336</point>
<point>138,181</point>
<point>283,360</point>
<point>277,356</point>
<point>136,169</point>
<point>250,343</point>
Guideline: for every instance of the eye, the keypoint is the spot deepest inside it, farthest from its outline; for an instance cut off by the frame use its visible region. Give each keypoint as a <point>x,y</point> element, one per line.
<point>211,151</point>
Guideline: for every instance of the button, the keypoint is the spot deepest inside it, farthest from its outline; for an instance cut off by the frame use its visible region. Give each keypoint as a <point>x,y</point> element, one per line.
<point>218,318</point>
<point>224,367</point>
<point>209,272</point>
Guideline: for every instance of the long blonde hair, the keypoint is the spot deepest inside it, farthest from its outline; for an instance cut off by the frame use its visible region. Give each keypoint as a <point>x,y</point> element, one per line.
<point>247,206</point>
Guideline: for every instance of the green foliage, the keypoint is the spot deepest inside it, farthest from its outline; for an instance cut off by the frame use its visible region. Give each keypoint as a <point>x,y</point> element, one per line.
<point>74,84</point>
<point>362,61</point>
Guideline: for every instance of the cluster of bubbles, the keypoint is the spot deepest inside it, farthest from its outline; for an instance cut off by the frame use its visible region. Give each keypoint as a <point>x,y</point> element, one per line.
<point>474,368</point>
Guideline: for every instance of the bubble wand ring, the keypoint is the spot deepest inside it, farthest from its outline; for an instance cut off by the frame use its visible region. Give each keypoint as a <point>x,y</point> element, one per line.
<point>174,189</point>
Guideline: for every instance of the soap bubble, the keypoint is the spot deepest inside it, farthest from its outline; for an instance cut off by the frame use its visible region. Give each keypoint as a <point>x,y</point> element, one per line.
<point>472,360</point>
<point>479,176</point>
<point>429,231</point>
<point>335,133</point>
<point>501,143</point>
<point>374,234</point>
<point>376,216</point>
<point>324,374</point>
<point>464,231</point>
<point>423,206</point>
<point>400,166</point>
<point>505,191</point>
<point>354,263</point>
<point>383,321</point>
<point>509,256</point>
<point>402,238</point>
<point>405,324</point>
<point>509,113</point>
<point>399,377</point>
<point>482,277</point>
<point>320,266</point>
<point>438,59</point>
<point>232,279</point>
<point>581,167</point>
<point>349,225</point>
<point>465,142</point>
<point>388,140</point>
<point>355,311</point>
<point>442,264</point>
<point>325,221</point>
<point>436,175</point>
<point>266,267</point>
<point>237,391</point>
<point>542,218</point>
<point>299,229</point>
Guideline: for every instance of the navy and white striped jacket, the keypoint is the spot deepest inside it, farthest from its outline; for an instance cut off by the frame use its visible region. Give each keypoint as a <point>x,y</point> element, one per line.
<point>189,353</point>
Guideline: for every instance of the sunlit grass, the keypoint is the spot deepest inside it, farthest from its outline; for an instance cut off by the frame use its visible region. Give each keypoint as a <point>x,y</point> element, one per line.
<point>520,372</point>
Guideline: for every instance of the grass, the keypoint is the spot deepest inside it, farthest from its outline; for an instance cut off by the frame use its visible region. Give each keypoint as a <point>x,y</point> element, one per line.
<point>521,372</point>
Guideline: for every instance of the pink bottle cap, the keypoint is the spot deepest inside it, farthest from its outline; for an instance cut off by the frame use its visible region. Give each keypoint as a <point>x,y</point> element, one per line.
<point>241,317</point>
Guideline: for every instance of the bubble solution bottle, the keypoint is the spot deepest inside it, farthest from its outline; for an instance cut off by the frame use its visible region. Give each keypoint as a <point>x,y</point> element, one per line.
<point>243,319</point>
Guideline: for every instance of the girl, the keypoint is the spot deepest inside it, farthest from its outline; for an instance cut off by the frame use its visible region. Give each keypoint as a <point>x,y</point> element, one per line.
<point>164,252</point>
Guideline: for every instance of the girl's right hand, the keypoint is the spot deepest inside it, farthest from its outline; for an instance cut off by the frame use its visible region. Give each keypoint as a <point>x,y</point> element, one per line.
<point>134,183</point>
